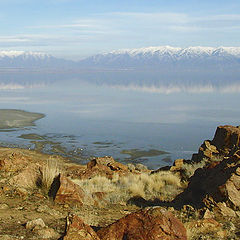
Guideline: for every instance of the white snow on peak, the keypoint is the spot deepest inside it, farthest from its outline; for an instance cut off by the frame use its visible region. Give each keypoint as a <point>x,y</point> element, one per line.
<point>197,50</point>
<point>223,51</point>
<point>179,52</point>
<point>148,50</point>
<point>13,54</point>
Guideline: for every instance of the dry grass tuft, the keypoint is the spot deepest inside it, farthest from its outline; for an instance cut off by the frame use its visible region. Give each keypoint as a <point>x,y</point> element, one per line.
<point>163,185</point>
<point>49,171</point>
<point>189,169</point>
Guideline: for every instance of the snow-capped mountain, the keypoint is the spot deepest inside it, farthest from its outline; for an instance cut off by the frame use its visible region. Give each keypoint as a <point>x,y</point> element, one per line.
<point>21,59</point>
<point>14,54</point>
<point>166,56</point>
<point>154,58</point>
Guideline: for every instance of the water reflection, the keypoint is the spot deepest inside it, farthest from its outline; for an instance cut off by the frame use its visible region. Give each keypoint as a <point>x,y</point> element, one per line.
<point>103,114</point>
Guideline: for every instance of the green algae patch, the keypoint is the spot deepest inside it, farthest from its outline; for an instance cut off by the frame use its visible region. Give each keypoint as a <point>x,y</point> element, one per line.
<point>12,118</point>
<point>31,136</point>
<point>102,143</point>
<point>136,153</point>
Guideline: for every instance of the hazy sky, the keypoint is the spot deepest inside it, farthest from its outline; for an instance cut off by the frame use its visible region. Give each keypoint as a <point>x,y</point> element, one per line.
<point>79,28</point>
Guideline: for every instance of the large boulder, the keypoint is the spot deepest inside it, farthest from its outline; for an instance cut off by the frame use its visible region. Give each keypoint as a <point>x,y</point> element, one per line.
<point>63,190</point>
<point>26,178</point>
<point>76,229</point>
<point>227,138</point>
<point>148,224</point>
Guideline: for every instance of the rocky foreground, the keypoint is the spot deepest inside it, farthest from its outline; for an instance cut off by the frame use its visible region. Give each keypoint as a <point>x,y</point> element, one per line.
<point>49,197</point>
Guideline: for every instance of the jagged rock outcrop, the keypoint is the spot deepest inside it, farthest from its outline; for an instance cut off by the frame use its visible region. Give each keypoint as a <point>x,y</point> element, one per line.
<point>148,224</point>
<point>220,181</point>
<point>206,150</point>
<point>226,142</point>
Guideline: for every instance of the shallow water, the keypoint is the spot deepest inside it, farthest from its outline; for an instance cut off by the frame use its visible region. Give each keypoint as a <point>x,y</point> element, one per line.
<point>84,120</point>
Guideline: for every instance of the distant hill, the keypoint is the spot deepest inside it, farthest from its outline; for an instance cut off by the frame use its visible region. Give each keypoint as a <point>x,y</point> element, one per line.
<point>28,60</point>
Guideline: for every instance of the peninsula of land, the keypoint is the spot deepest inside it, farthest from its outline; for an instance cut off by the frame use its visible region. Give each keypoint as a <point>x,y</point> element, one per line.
<point>13,118</point>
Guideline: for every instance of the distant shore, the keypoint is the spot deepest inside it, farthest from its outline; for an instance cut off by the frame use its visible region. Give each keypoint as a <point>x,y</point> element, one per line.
<point>13,118</point>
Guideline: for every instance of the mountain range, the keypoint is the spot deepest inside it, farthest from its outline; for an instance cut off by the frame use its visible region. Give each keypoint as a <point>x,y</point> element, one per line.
<point>153,58</point>
<point>29,60</point>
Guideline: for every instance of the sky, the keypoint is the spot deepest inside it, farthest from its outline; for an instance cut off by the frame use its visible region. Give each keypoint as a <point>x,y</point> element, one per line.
<point>75,29</point>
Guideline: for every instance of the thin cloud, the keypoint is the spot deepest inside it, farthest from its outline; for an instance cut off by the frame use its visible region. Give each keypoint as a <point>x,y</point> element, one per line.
<point>124,22</point>
<point>73,25</point>
<point>161,17</point>
<point>223,17</point>
<point>13,39</point>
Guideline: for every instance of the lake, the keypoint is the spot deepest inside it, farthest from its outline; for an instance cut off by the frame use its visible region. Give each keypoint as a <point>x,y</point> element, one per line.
<point>152,125</point>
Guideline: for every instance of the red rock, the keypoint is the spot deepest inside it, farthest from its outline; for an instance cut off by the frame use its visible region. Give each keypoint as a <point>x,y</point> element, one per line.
<point>104,166</point>
<point>108,162</point>
<point>148,224</point>
<point>76,229</point>
<point>177,165</point>
<point>206,150</point>
<point>231,190</point>
<point>226,138</point>
<point>203,227</point>
<point>65,191</point>
<point>100,161</point>
<point>27,178</point>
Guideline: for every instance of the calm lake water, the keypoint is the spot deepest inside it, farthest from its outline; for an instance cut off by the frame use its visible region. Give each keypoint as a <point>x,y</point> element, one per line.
<point>84,119</point>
